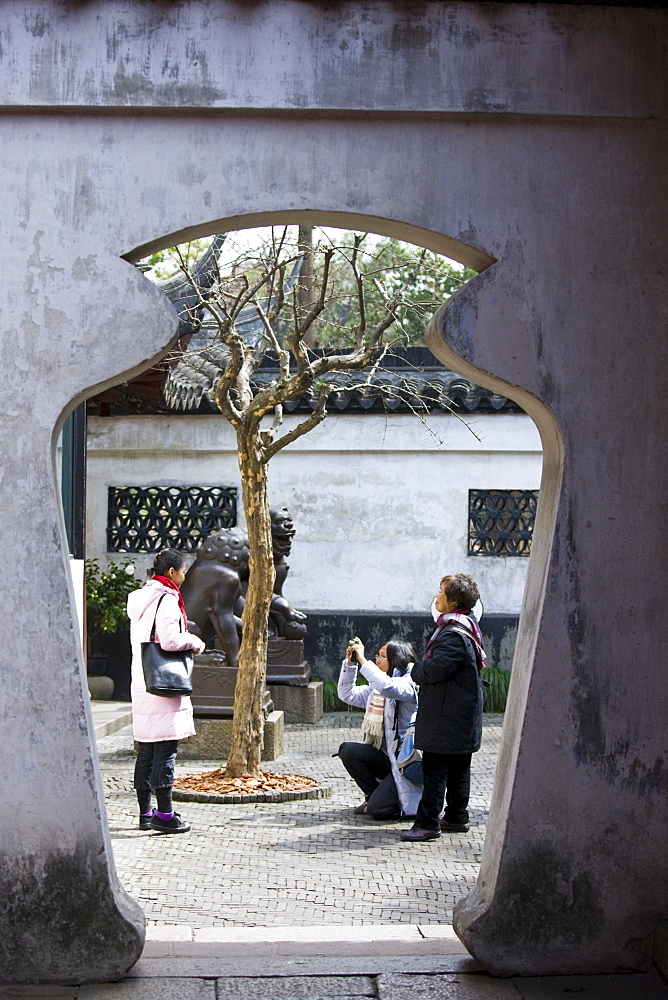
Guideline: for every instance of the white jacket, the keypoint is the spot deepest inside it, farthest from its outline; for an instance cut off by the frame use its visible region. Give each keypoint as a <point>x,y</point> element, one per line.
<point>400,693</point>
<point>154,718</point>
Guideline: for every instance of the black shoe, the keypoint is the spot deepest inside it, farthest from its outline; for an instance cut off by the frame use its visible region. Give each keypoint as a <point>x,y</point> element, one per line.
<point>360,809</point>
<point>173,825</point>
<point>453,827</point>
<point>418,836</point>
<point>145,822</point>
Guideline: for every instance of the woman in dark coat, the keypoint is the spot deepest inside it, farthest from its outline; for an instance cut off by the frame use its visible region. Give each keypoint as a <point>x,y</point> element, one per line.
<point>448,727</point>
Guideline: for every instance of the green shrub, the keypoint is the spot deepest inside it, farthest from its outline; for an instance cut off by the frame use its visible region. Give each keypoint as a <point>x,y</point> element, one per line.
<point>106,597</point>
<point>497,692</point>
<point>330,698</point>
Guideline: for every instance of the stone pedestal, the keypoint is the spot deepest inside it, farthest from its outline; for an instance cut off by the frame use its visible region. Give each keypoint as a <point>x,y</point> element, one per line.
<point>212,741</point>
<point>213,687</point>
<point>299,704</point>
<point>286,663</point>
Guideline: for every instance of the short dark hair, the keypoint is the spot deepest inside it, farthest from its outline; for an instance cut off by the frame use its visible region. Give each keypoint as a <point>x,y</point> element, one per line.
<point>167,559</point>
<point>399,655</point>
<point>463,589</point>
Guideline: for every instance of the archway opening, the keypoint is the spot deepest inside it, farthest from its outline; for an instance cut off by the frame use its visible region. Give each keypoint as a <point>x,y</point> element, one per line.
<point>381,456</point>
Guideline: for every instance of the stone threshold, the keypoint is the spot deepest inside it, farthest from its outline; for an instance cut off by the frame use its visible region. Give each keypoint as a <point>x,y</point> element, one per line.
<point>110,716</point>
<point>322,941</point>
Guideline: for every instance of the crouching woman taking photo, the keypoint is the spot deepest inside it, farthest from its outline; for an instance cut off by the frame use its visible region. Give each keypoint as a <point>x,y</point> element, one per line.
<point>390,704</point>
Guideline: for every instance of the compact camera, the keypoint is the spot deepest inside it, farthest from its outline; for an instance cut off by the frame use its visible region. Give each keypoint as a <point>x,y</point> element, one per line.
<point>353,655</point>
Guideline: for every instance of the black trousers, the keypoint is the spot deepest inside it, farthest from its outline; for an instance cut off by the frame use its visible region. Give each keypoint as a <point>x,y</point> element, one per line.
<point>447,776</point>
<point>154,767</point>
<point>371,769</point>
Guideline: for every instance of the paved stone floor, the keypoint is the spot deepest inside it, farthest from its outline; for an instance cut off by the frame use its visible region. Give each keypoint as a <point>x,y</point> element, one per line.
<point>245,906</point>
<point>321,984</point>
<point>302,863</point>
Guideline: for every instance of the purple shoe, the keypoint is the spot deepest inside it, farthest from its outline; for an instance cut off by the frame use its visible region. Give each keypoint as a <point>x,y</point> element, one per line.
<point>173,825</point>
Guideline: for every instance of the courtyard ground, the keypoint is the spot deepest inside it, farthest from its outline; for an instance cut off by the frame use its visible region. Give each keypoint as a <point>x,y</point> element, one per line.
<point>304,899</point>
<point>303,863</point>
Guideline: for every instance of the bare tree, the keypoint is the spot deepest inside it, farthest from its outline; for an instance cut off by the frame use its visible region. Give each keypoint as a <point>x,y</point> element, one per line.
<point>288,315</point>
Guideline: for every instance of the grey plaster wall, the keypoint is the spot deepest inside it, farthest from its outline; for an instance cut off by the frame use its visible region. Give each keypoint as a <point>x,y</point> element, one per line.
<point>526,140</point>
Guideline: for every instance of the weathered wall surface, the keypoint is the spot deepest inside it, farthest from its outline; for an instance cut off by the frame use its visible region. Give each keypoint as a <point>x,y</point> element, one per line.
<point>529,135</point>
<point>461,57</point>
<point>380,502</point>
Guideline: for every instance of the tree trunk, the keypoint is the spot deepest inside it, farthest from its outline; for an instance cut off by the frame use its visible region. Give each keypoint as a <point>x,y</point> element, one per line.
<point>306,284</point>
<point>248,722</point>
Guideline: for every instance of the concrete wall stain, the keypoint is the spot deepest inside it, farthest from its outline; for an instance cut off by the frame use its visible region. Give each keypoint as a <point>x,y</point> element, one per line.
<point>57,919</point>
<point>552,902</point>
<point>648,780</point>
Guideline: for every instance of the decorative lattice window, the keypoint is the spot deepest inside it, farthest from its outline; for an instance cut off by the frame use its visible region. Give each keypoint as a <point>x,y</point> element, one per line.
<point>151,518</point>
<point>501,522</point>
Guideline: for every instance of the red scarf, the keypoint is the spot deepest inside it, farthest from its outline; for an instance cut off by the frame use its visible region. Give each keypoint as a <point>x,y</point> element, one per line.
<point>170,583</point>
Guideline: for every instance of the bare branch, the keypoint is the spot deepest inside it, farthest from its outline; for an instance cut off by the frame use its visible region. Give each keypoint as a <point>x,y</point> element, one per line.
<point>359,281</point>
<point>267,321</point>
<point>321,301</point>
<point>236,307</point>
<point>230,378</point>
<point>279,300</point>
<point>269,333</point>
<point>279,391</point>
<point>262,281</point>
<point>278,417</point>
<point>222,316</point>
<point>363,355</point>
<point>314,418</point>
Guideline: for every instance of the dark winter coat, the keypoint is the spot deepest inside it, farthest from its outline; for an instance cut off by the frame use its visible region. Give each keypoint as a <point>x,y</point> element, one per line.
<point>449,716</point>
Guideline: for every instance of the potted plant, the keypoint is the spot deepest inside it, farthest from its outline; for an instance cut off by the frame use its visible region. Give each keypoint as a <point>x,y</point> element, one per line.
<point>106,600</point>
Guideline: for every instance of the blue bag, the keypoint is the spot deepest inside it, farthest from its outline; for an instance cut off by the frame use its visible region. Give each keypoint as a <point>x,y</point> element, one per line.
<point>414,772</point>
<point>408,752</point>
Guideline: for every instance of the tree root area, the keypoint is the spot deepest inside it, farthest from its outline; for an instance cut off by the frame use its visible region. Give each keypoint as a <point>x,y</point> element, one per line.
<point>216,783</point>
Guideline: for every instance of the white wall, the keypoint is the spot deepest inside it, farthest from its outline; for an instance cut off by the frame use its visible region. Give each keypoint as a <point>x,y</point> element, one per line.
<point>380,503</point>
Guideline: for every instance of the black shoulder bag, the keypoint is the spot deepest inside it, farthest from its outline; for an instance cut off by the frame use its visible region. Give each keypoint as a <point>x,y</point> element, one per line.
<point>166,673</point>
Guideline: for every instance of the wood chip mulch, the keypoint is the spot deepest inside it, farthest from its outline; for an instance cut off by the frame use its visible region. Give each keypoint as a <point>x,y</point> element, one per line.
<point>215,783</point>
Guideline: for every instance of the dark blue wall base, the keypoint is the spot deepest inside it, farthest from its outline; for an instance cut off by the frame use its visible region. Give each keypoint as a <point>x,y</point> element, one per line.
<point>327,638</point>
<point>329,632</point>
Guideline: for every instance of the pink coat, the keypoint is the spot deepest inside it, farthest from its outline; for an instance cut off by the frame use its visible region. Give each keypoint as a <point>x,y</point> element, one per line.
<point>155,718</point>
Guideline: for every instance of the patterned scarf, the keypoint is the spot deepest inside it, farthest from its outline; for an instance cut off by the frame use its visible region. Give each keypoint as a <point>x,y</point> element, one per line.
<point>373,725</point>
<point>459,621</point>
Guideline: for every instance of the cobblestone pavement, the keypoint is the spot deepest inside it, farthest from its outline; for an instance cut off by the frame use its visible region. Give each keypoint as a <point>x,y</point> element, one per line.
<point>301,863</point>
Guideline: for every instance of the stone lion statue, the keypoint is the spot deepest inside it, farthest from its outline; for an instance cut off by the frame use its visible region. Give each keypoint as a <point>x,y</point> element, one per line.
<point>215,587</point>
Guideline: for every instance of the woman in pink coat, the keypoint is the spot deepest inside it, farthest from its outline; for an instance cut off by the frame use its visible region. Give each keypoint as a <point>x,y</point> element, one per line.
<point>159,723</point>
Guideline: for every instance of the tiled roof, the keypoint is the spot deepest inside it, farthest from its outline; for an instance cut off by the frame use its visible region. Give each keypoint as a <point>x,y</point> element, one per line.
<point>408,380</point>
<point>411,380</point>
